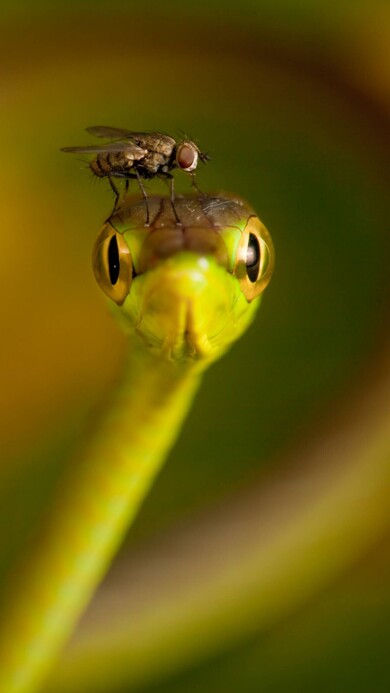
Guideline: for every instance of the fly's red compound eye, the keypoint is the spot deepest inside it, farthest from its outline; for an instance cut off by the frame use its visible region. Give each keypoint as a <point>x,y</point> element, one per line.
<point>187,156</point>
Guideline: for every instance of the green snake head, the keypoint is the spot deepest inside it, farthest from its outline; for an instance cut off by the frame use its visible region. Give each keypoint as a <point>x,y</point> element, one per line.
<point>187,290</point>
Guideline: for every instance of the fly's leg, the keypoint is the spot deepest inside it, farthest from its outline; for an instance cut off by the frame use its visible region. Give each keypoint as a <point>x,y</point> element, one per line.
<point>169,176</point>
<point>195,185</point>
<point>172,197</point>
<point>115,191</point>
<point>117,195</point>
<point>145,196</point>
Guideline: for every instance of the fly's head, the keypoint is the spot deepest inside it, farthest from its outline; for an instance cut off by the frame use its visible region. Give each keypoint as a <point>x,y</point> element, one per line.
<point>188,155</point>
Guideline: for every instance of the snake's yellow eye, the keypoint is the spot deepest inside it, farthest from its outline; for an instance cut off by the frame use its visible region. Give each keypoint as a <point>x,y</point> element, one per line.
<point>112,265</point>
<point>254,259</point>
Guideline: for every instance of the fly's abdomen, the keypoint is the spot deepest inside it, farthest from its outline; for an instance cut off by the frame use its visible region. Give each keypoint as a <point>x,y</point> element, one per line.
<point>112,163</point>
<point>100,166</point>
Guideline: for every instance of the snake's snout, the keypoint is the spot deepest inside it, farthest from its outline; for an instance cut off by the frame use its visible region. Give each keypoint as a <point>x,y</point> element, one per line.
<point>186,306</point>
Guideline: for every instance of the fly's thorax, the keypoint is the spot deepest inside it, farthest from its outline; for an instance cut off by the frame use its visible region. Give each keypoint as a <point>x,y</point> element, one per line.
<point>155,142</point>
<point>155,161</point>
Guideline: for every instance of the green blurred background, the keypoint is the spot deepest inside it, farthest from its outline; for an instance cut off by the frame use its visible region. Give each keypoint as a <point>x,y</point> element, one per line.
<point>292,100</point>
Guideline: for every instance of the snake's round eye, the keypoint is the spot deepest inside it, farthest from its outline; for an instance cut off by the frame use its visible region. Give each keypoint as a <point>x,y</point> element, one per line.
<point>254,259</point>
<point>112,265</point>
<point>187,156</point>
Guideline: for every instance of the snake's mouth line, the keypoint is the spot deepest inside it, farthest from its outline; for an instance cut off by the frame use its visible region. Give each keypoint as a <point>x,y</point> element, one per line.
<point>197,346</point>
<point>185,343</point>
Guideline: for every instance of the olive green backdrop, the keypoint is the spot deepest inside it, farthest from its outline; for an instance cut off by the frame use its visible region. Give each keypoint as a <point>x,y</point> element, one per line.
<point>291,99</point>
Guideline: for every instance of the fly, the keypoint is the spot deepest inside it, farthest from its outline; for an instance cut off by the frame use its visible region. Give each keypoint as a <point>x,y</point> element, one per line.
<point>142,156</point>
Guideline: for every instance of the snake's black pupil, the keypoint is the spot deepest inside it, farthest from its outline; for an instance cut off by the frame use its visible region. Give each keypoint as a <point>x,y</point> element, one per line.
<point>113,260</point>
<point>252,258</point>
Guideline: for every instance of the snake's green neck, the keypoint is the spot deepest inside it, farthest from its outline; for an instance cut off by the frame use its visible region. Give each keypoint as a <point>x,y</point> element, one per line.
<point>91,514</point>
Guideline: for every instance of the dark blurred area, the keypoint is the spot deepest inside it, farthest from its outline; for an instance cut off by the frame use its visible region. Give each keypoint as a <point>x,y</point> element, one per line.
<point>260,560</point>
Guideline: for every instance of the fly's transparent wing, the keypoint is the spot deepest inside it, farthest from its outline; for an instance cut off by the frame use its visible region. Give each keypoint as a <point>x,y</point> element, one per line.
<point>131,149</point>
<point>157,142</point>
<point>109,132</point>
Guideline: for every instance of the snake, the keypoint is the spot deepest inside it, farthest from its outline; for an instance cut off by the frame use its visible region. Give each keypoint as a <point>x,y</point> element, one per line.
<point>183,293</point>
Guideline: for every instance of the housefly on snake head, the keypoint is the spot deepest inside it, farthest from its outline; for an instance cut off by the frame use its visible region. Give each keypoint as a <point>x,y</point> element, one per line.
<point>140,155</point>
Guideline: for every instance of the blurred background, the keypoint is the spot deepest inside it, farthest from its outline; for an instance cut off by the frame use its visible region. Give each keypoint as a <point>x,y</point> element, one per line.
<point>260,560</point>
